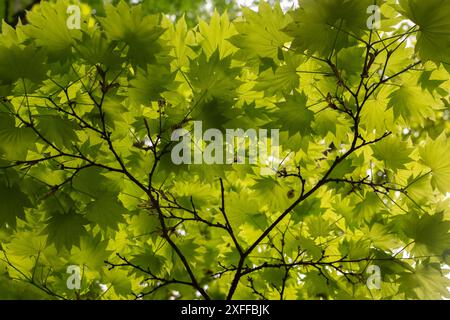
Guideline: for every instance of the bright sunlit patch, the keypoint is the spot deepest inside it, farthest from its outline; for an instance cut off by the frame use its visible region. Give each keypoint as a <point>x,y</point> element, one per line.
<point>248,3</point>
<point>181,232</point>
<point>148,142</point>
<point>209,6</point>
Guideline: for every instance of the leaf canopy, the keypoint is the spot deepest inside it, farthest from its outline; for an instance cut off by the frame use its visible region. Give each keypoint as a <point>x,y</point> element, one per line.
<point>88,178</point>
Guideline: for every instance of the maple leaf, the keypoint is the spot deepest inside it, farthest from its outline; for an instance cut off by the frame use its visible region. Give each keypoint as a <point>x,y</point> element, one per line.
<point>12,205</point>
<point>66,229</point>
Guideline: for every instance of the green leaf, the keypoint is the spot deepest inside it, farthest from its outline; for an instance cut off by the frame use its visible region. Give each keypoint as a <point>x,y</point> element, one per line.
<point>307,208</point>
<point>318,226</point>
<point>15,142</point>
<point>120,281</point>
<point>93,182</point>
<point>239,209</point>
<point>425,283</point>
<point>393,152</point>
<point>148,85</point>
<point>48,26</point>
<point>273,276</point>
<point>214,77</point>
<point>381,237</point>
<point>214,36</point>
<point>96,48</point>
<point>431,17</point>
<point>60,131</point>
<point>181,39</point>
<point>293,115</point>
<point>149,260</point>
<point>283,79</point>
<point>311,247</point>
<point>21,62</point>
<point>429,232</point>
<point>321,26</point>
<point>91,253</point>
<point>66,229</point>
<point>12,204</point>
<point>27,244</point>
<point>140,32</point>
<point>368,207</point>
<point>436,155</point>
<point>105,211</point>
<point>410,102</point>
<point>260,33</point>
